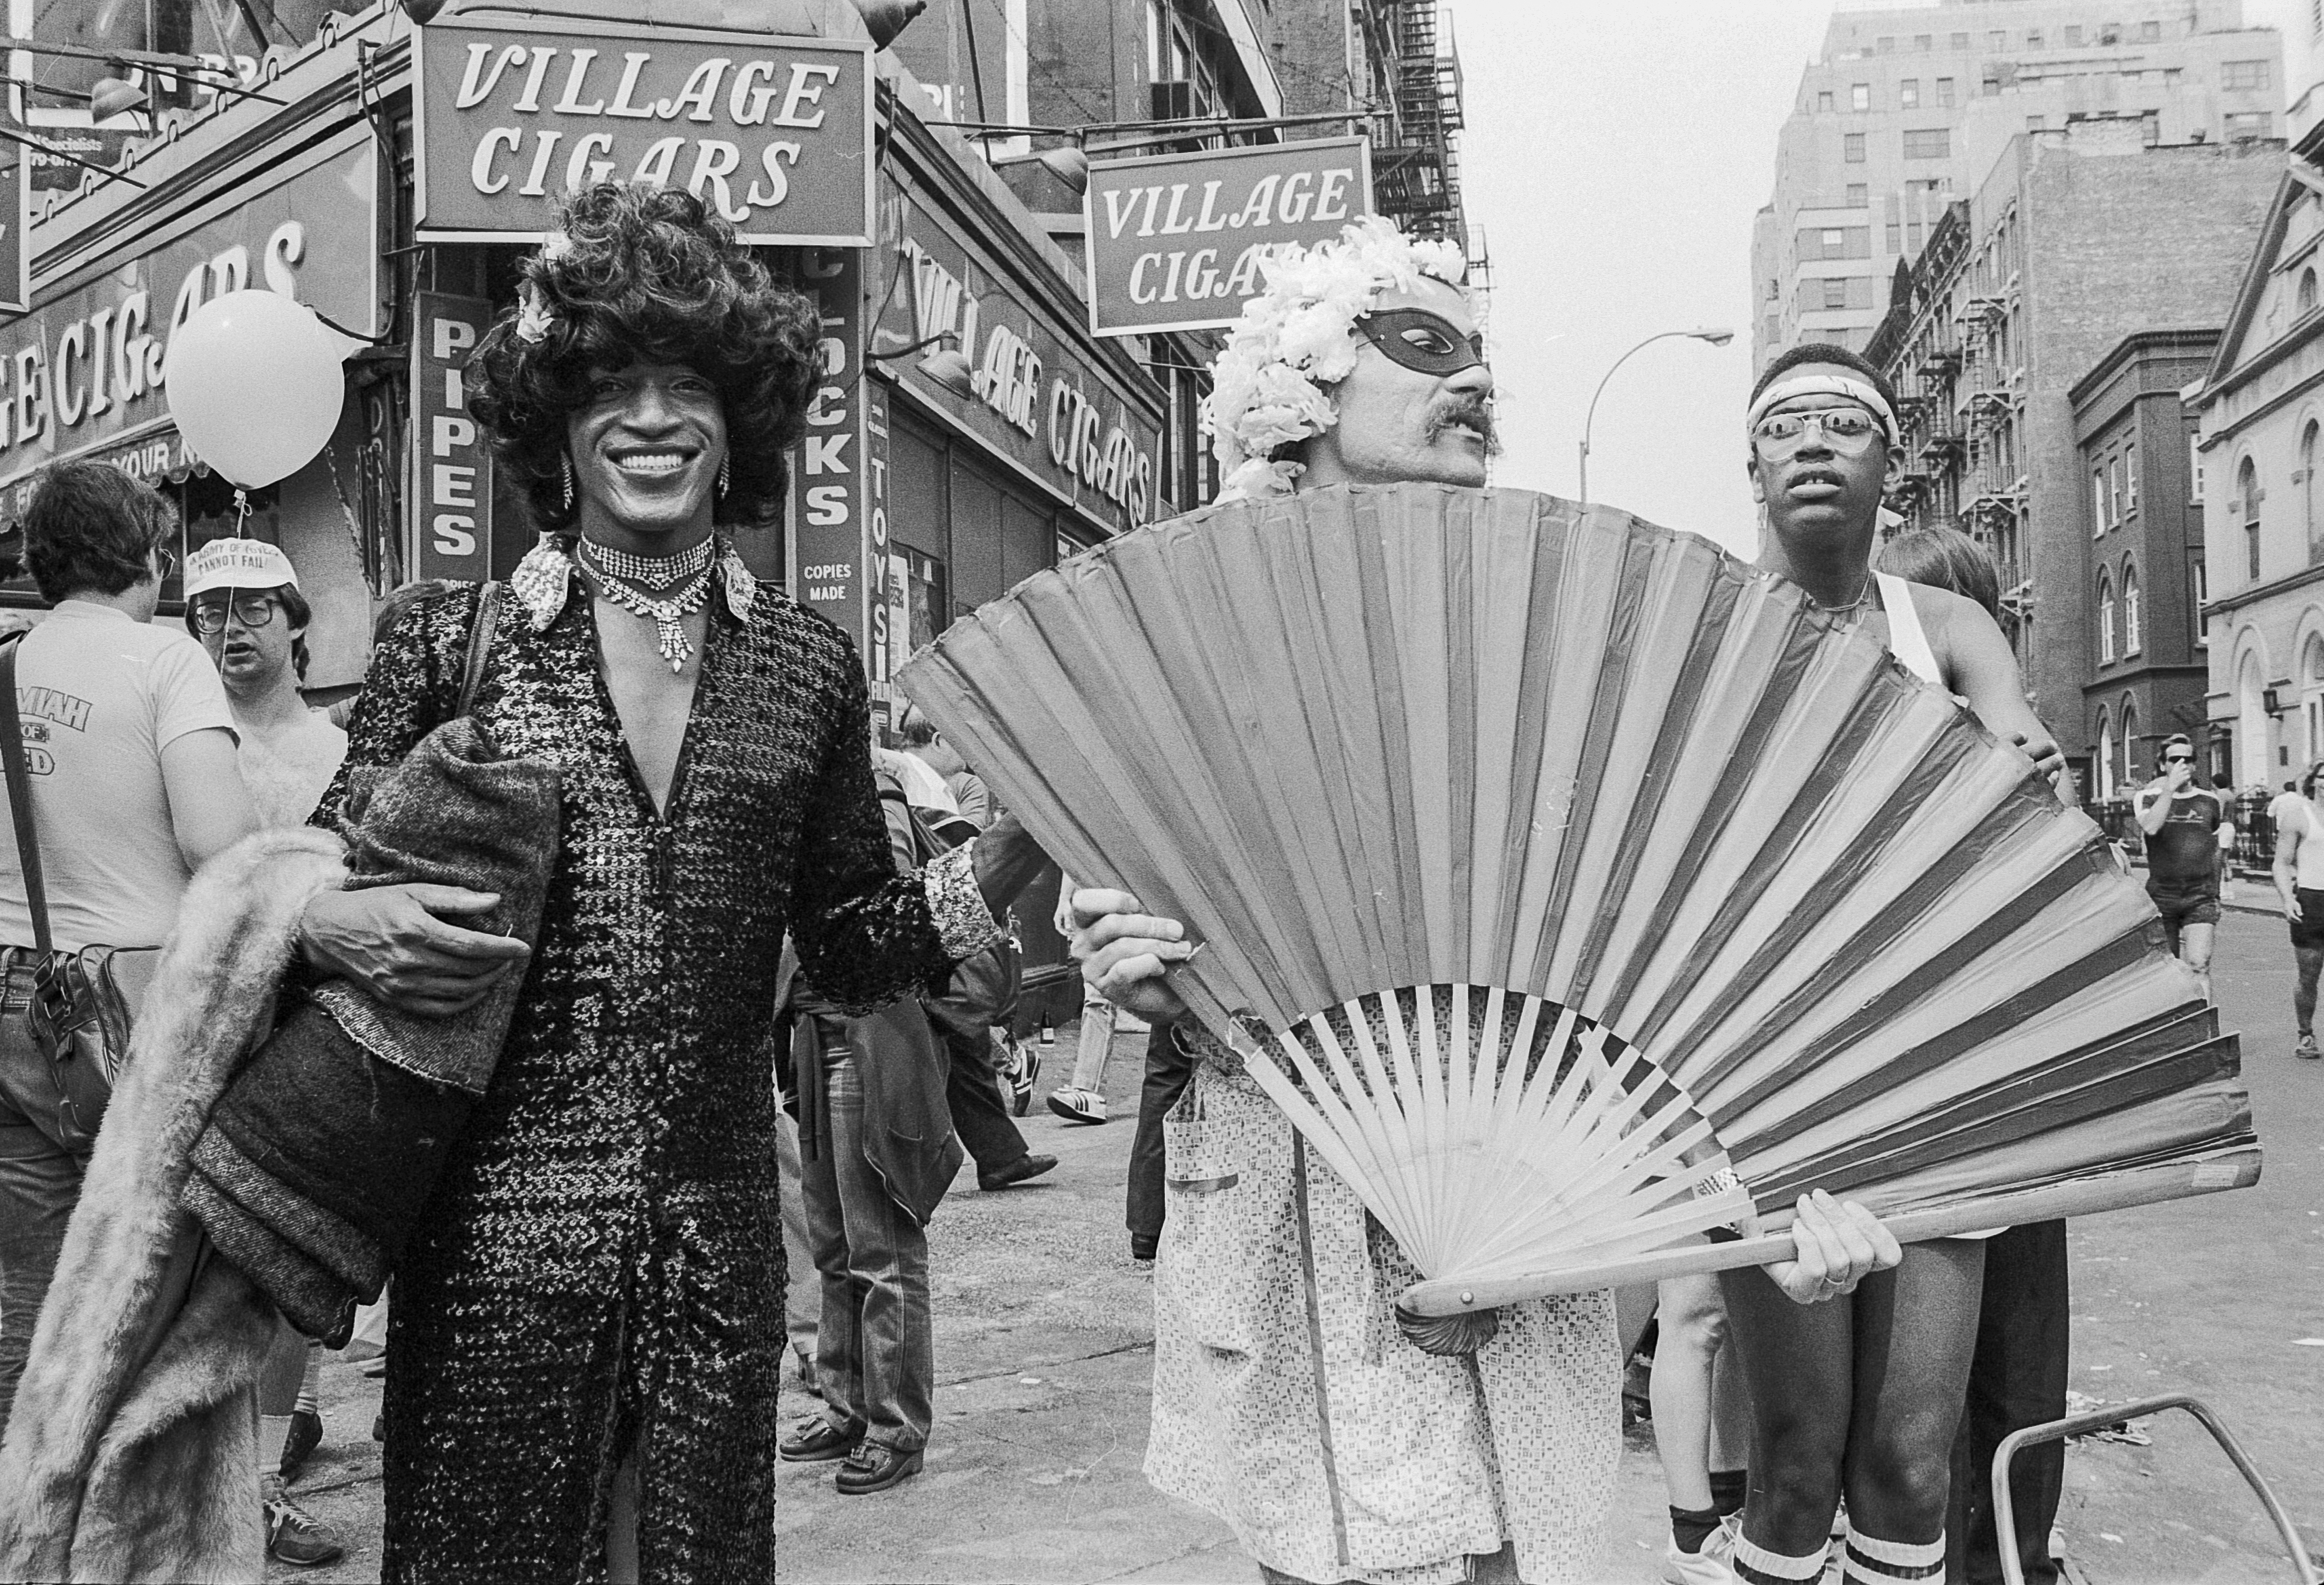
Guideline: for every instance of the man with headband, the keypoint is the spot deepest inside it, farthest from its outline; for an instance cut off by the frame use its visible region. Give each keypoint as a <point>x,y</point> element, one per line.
<point>1844,1397</point>
<point>1287,1398</point>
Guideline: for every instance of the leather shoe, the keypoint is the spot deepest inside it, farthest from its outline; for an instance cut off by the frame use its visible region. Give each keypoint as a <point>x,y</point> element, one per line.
<point>817,1441</point>
<point>873,1468</point>
<point>1028,1165</point>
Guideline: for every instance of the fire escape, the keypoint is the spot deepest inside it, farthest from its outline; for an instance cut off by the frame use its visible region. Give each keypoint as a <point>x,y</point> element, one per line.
<point>1416,156</point>
<point>1992,487</point>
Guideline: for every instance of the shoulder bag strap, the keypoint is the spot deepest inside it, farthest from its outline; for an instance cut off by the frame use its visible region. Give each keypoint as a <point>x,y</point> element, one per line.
<point>20,795</point>
<point>480,644</point>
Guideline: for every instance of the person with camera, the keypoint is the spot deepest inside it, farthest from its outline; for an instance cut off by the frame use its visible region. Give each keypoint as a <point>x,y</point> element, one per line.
<point>128,756</point>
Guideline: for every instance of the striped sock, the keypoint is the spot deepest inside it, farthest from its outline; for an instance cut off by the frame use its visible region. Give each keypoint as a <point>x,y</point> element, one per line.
<point>1870,1561</point>
<point>1758,1566</point>
<point>310,1384</point>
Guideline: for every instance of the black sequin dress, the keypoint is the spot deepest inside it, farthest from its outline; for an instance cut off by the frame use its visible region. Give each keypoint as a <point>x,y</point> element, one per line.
<point>601,1267</point>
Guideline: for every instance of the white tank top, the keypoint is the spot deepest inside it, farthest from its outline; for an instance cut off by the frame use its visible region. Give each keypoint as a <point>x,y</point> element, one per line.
<point>1906,639</point>
<point>2311,859</point>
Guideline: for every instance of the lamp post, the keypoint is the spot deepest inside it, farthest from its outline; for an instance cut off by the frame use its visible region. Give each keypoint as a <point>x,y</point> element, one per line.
<point>1715,337</point>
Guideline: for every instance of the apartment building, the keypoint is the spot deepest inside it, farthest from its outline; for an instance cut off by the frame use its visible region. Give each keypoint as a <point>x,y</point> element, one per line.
<point>1906,108</point>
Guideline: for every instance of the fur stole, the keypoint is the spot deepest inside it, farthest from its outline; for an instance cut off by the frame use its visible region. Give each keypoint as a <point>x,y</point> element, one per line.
<point>131,1453</point>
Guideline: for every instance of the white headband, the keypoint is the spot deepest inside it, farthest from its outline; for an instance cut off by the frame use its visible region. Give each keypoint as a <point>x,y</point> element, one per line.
<point>1847,385</point>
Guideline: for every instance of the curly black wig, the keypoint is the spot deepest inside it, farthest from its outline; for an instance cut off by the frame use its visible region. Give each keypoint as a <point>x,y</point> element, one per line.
<point>647,275</point>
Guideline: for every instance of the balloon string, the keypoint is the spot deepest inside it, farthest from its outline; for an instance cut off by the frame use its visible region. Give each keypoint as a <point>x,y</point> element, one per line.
<point>241,511</point>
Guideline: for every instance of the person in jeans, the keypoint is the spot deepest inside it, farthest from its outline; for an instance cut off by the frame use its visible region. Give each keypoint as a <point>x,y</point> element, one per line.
<point>130,745</point>
<point>2299,883</point>
<point>242,604</point>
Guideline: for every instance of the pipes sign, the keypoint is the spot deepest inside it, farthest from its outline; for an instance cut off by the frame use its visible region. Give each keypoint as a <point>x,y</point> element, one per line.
<point>774,134</point>
<point>452,462</point>
<point>1175,241</point>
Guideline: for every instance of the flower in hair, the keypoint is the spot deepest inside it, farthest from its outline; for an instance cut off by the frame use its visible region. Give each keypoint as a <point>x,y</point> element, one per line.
<point>534,316</point>
<point>1296,338</point>
<point>555,246</point>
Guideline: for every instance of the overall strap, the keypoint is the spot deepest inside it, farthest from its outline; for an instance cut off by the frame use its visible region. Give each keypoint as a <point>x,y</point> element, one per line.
<point>20,793</point>
<point>1907,641</point>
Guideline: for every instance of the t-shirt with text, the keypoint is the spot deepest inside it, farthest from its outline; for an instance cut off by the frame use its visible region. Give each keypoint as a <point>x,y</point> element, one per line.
<point>2183,856</point>
<point>100,695</point>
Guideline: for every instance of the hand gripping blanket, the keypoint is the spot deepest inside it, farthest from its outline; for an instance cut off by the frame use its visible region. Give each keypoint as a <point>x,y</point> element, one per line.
<point>321,1153</point>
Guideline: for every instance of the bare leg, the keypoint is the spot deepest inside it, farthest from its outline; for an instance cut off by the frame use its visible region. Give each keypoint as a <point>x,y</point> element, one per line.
<point>2195,951</point>
<point>1915,1335</point>
<point>622,1526</point>
<point>1730,1406</point>
<point>1694,1327</point>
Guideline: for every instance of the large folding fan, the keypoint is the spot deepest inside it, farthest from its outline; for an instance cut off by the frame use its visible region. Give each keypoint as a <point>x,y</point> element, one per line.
<point>1577,889</point>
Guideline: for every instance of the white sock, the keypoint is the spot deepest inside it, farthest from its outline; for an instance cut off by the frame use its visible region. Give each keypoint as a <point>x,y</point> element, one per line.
<point>1759,1566</point>
<point>1870,1561</point>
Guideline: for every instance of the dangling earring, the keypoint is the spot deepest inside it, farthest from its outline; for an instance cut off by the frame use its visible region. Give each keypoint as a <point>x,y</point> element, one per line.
<point>564,464</point>
<point>725,474</point>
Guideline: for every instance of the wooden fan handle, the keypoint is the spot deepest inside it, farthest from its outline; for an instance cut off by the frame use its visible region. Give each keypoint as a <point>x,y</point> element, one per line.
<point>2080,1197</point>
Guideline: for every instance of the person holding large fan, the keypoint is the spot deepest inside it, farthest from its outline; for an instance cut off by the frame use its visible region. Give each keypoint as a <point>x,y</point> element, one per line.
<point>1861,1398</point>
<point>588,1322</point>
<point>1288,1400</point>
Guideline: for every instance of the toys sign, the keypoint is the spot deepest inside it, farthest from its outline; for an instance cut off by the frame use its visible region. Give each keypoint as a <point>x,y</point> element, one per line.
<point>774,134</point>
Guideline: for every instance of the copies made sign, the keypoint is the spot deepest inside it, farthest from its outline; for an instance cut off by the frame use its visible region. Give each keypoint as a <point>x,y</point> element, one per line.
<point>1175,240</point>
<point>774,134</point>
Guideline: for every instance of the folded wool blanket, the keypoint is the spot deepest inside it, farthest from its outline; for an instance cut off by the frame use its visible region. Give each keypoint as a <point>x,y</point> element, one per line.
<point>318,1157</point>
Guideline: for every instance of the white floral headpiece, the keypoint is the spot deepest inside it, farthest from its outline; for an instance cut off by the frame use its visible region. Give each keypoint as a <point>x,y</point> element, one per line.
<point>533,315</point>
<point>1297,337</point>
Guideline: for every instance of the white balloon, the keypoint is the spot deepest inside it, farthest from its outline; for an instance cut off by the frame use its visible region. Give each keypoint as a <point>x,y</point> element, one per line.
<point>255,384</point>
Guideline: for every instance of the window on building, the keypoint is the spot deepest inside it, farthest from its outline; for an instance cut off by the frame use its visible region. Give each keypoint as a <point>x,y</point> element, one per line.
<point>2106,755</point>
<point>2306,299</point>
<point>2073,35</point>
<point>2110,33</point>
<point>1932,143</point>
<point>2099,523</point>
<point>1852,147</point>
<point>1996,40</point>
<point>2035,122</point>
<point>1824,101</point>
<point>2033,38</point>
<point>1908,93</point>
<point>2130,479</point>
<point>1959,42</point>
<point>1859,97</point>
<point>2199,583</point>
<point>2247,502</point>
<point>2247,124</point>
<point>1945,89</point>
<point>2244,74</point>
<point>2114,491</point>
<point>2106,618</point>
<point>2150,33</point>
<point>2194,467</point>
<point>1835,292</point>
<point>2134,623</point>
<point>2308,487</point>
<point>1989,85</point>
<point>1886,45</point>
<point>1860,196</point>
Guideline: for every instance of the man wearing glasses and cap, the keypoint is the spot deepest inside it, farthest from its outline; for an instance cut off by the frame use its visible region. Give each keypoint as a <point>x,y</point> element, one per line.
<point>2186,826</point>
<point>243,603</point>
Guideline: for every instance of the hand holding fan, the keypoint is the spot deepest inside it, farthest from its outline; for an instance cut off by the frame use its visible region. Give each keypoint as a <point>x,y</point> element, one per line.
<point>1575,887</point>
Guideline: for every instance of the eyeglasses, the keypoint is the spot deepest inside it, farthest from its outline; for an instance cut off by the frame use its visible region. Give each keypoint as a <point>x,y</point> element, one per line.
<point>1421,341</point>
<point>2178,759</point>
<point>1848,430</point>
<point>250,610</point>
<point>165,561</point>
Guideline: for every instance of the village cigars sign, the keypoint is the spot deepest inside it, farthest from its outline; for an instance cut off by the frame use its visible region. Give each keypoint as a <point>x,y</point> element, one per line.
<point>1175,240</point>
<point>774,134</point>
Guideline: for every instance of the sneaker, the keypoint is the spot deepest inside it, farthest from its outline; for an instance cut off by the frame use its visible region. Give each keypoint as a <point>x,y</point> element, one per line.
<point>2306,1049</point>
<point>1020,1068</point>
<point>1078,1105</point>
<point>1694,1568</point>
<point>293,1535</point>
<point>305,1435</point>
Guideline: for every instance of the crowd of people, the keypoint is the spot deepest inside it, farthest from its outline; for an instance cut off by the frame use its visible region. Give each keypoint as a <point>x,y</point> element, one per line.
<point>768,1014</point>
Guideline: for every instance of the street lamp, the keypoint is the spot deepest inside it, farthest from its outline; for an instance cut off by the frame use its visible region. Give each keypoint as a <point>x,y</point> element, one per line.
<point>1716,338</point>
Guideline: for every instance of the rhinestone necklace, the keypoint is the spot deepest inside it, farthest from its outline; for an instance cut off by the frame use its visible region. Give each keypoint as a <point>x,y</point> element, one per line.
<point>655,572</point>
<point>667,614</point>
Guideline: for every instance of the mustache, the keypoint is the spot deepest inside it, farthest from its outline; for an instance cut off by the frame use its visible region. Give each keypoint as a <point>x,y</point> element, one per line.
<point>1467,411</point>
